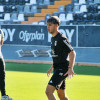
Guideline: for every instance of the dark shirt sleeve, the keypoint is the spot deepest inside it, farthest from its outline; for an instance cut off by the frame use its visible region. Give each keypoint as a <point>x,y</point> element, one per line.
<point>66,45</point>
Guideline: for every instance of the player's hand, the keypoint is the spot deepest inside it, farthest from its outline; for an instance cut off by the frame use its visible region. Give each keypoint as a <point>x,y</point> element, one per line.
<point>49,72</point>
<point>70,73</point>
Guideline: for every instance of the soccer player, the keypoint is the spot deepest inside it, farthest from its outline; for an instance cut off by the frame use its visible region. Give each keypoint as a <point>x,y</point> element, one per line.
<point>2,71</point>
<point>62,67</point>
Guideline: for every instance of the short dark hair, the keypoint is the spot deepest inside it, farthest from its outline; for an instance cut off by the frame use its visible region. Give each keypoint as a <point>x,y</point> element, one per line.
<point>54,20</point>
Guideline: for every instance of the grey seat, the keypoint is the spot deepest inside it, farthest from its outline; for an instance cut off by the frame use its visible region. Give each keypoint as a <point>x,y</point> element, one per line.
<point>82,1</point>
<point>55,14</point>
<point>69,8</point>
<point>76,9</point>
<point>20,9</point>
<point>1,17</point>
<point>47,17</point>
<point>61,9</point>
<point>27,9</point>
<point>1,9</point>
<point>90,2</point>
<point>34,9</point>
<point>14,17</point>
<point>97,1</point>
<point>7,17</point>
<point>62,16</point>
<point>40,2</point>
<point>46,2</point>
<point>75,1</point>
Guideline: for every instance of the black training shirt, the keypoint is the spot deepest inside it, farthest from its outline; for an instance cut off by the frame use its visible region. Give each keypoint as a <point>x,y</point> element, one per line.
<point>60,48</point>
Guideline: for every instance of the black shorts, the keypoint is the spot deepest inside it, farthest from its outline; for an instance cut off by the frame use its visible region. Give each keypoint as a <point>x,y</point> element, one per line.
<point>58,79</point>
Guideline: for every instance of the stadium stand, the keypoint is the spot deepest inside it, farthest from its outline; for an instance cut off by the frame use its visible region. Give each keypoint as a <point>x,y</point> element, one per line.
<point>39,10</point>
<point>68,8</point>
<point>1,9</point>
<point>52,8</point>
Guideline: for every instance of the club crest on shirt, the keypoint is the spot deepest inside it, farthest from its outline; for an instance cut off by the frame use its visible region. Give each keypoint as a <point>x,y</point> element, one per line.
<point>55,43</point>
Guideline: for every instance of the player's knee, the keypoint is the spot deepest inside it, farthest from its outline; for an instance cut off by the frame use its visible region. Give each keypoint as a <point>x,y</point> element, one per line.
<point>62,96</point>
<point>48,92</point>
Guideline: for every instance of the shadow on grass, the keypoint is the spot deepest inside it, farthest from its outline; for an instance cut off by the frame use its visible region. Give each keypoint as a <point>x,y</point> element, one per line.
<point>43,68</point>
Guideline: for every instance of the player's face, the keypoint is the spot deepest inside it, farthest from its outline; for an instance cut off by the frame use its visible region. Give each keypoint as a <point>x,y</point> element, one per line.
<point>51,28</point>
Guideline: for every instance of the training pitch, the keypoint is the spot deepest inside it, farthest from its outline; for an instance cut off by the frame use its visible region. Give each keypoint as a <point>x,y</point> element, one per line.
<point>29,81</point>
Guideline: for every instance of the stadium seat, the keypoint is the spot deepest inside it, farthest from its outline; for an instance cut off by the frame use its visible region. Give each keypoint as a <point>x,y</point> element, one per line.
<point>34,9</point>
<point>7,17</point>
<point>75,2</point>
<point>21,17</point>
<point>47,17</point>
<point>76,9</point>
<point>21,2</point>
<point>55,14</point>
<point>7,9</point>
<point>20,9</point>
<point>92,8</point>
<point>40,2</point>
<point>98,8</point>
<point>1,17</point>
<point>13,9</point>
<point>35,23</point>
<point>27,9</point>
<point>68,8</point>
<point>82,2</point>
<point>32,2</point>
<point>1,9</point>
<point>14,2</point>
<point>83,8</point>
<point>77,18</point>
<point>7,2</point>
<point>90,2</point>
<point>62,17</point>
<point>84,17</point>
<point>61,9</point>
<point>1,2</point>
<point>41,23</point>
<point>63,23</point>
<point>14,17</point>
<point>27,1</point>
<point>69,17</point>
<point>90,17</point>
<point>97,1</point>
<point>46,2</point>
<point>96,18</point>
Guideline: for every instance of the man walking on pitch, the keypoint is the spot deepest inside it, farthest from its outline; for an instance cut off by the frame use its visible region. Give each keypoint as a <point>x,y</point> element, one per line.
<point>2,71</point>
<point>60,49</point>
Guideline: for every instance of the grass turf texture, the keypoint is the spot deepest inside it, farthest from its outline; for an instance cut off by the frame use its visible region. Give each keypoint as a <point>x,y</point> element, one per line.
<point>28,82</point>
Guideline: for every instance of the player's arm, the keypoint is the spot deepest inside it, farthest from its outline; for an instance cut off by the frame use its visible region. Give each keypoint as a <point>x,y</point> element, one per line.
<point>50,70</point>
<point>70,50</point>
<point>2,37</point>
<point>72,59</point>
<point>70,71</point>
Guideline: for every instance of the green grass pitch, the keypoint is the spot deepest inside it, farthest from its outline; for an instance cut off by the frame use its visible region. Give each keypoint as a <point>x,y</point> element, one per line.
<point>29,81</point>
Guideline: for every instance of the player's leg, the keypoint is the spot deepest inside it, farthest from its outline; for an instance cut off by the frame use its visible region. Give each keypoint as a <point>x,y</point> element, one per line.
<point>52,86</point>
<point>2,81</point>
<point>62,94</point>
<point>2,77</point>
<point>50,92</point>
